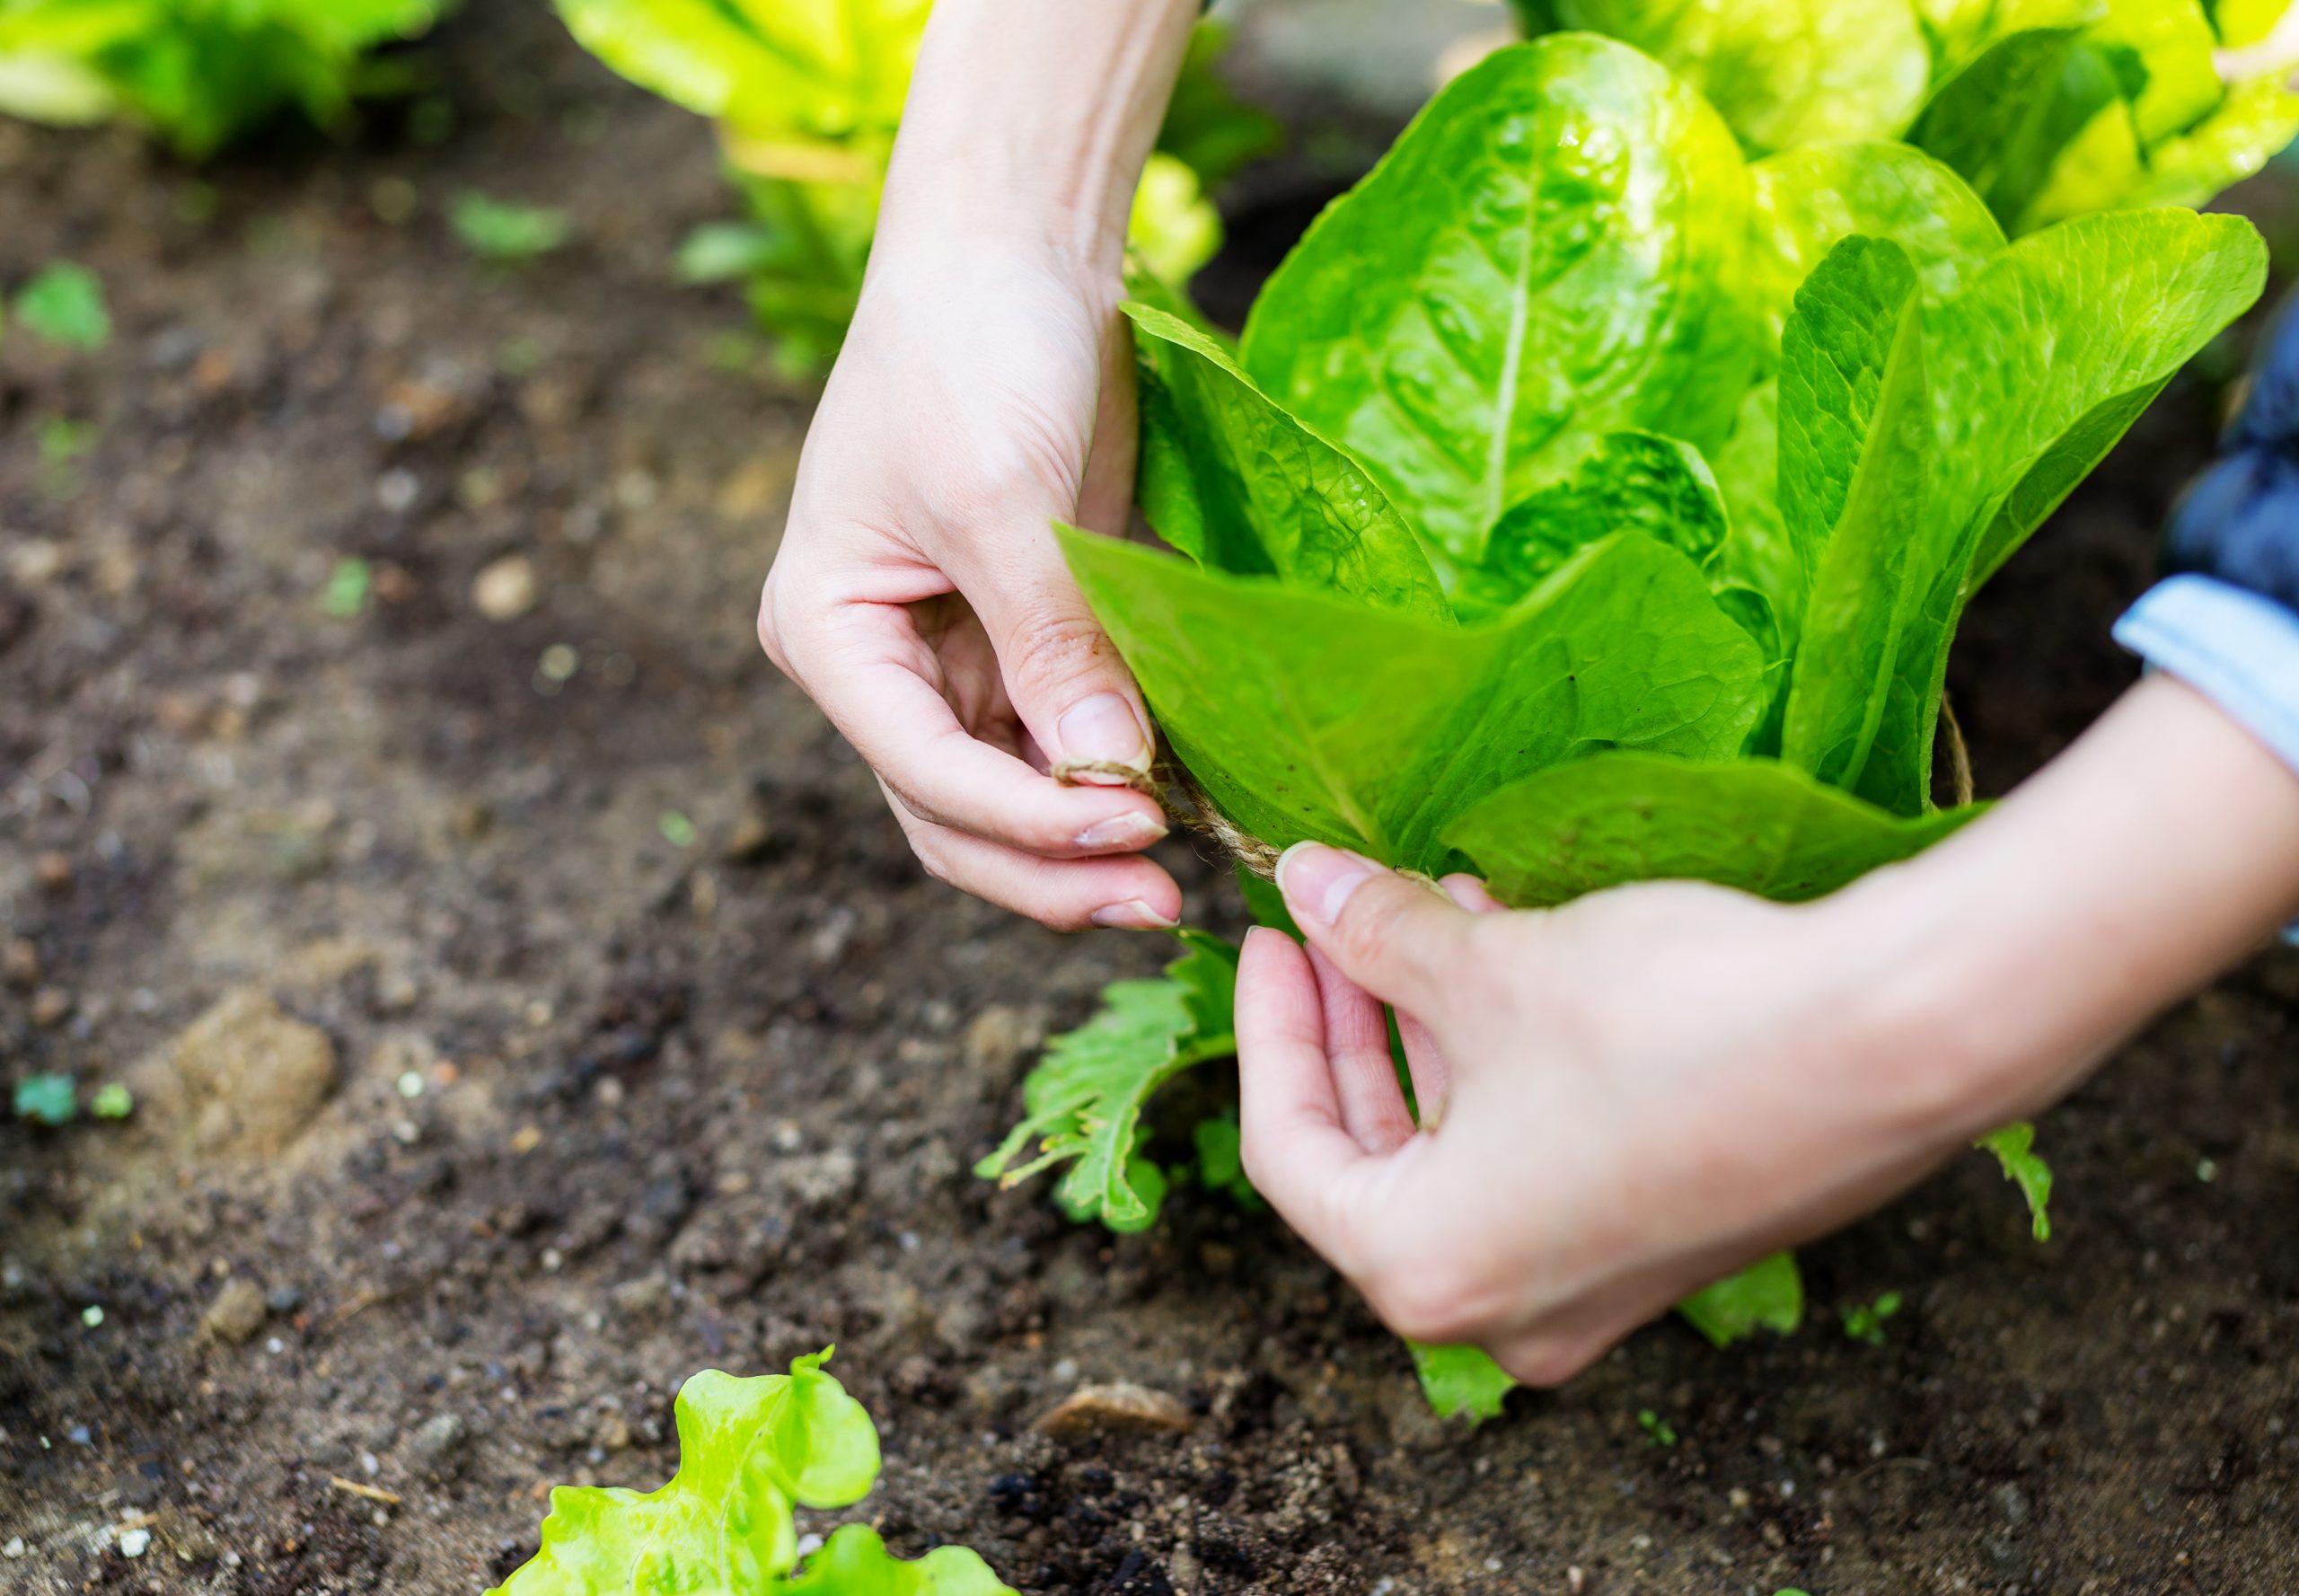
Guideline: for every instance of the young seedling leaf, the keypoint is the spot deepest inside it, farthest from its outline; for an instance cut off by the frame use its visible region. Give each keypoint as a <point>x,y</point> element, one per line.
<point>1758,826</point>
<point>1461,1381</point>
<point>1767,1295</point>
<point>47,1099</point>
<point>855,1562</point>
<point>1554,250</point>
<point>1221,1161</point>
<point>1084,1099</point>
<point>503,231</point>
<point>1306,717</point>
<point>64,304</point>
<point>2015,1147</point>
<point>751,1452</point>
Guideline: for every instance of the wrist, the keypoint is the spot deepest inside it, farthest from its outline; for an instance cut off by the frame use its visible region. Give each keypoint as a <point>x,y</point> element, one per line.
<point>1027,127</point>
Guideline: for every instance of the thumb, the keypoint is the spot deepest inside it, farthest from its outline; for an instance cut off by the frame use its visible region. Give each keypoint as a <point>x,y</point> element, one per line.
<point>1062,672</point>
<point>1397,938</point>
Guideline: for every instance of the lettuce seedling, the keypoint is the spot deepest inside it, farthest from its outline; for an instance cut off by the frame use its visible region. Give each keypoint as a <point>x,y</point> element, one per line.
<point>201,72</point>
<point>808,100</point>
<point>751,1452</point>
<point>1587,503</point>
<point>2051,109</point>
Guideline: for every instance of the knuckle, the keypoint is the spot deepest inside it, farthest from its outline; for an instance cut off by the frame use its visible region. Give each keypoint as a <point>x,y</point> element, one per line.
<point>1435,1304</point>
<point>1044,646</point>
<point>1548,1361</point>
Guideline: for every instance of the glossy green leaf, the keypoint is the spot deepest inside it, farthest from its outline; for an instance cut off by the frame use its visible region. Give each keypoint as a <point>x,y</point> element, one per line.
<point>2002,121</point>
<point>2015,1147</point>
<point>1309,717</point>
<point>1083,1101</point>
<point>1810,200</point>
<point>1630,481</point>
<point>750,1450</point>
<point>1758,826</point>
<point>1553,249</point>
<point>1767,1295</point>
<point>1783,72</point>
<point>1232,481</point>
<point>2037,368</point>
<point>1461,1381</point>
<point>1855,423</point>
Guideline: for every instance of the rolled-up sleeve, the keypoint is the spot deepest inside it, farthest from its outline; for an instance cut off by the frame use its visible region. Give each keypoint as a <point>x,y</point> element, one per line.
<point>2237,647</point>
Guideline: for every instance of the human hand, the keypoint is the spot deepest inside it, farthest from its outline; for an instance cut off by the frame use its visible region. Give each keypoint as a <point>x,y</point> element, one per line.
<point>920,598</point>
<point>1622,1100</point>
<point>1630,1096</point>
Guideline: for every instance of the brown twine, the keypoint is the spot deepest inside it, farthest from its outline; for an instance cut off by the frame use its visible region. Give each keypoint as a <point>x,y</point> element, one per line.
<point>1186,804</point>
<point>1190,807</point>
<point>1960,756</point>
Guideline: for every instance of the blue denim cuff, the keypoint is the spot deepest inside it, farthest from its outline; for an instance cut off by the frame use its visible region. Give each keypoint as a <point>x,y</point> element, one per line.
<point>2238,650</point>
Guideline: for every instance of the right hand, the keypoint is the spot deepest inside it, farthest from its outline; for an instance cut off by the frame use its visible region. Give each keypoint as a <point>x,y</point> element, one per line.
<point>920,598</point>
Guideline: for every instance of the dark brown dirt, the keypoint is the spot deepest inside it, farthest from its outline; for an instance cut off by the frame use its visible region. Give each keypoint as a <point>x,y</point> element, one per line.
<point>680,1109</point>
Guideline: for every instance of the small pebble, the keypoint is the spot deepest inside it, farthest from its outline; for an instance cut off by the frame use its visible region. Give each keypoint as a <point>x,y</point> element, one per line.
<point>505,589</point>
<point>92,1317</point>
<point>135,1543</point>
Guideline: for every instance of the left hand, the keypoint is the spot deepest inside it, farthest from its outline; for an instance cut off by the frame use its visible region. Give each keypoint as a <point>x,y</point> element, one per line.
<point>1622,1100</point>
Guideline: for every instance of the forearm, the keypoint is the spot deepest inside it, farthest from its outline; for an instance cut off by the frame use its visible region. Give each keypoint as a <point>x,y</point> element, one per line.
<point>1029,121</point>
<point>2142,862</point>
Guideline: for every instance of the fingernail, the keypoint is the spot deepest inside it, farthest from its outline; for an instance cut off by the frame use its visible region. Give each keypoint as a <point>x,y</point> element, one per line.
<point>1316,880</point>
<point>1133,915</point>
<point>1132,829</point>
<point>1103,730</point>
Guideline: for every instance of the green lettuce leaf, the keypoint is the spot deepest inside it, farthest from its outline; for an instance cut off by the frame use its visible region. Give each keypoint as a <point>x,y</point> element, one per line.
<point>1308,717</point>
<point>1767,1295</point>
<point>1460,1382</point>
<point>2015,1147</point>
<point>201,75</point>
<point>1783,72</point>
<point>1631,480</point>
<point>855,1562</point>
<point>1553,251</point>
<point>1810,200</point>
<point>2036,369</point>
<point>1233,482</point>
<point>1855,424</point>
<point>823,69</point>
<point>751,1452</point>
<point>1083,1101</point>
<point>1760,827</point>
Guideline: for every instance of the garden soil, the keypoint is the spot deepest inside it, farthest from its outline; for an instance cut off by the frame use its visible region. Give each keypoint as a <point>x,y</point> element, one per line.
<point>529,1003</point>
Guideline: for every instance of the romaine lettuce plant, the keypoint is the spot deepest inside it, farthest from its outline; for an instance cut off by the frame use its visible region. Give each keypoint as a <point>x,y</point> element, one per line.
<point>2051,109</point>
<point>808,98</point>
<point>201,72</point>
<point>751,1452</point>
<point>1588,504</point>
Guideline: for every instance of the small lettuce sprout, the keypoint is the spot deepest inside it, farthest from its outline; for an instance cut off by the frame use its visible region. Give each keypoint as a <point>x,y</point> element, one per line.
<point>750,1453</point>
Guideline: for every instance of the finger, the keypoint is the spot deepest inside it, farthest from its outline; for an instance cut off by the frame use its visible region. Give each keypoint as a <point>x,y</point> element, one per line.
<point>1471,895</point>
<point>1395,938</point>
<point>1433,1078</point>
<point>874,676</point>
<point>1061,671</point>
<point>1124,893</point>
<point>1357,1047</point>
<point>1298,1152</point>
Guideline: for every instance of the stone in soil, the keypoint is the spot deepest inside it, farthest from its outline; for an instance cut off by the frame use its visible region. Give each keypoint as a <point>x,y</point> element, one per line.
<point>249,1077</point>
<point>1121,1408</point>
<point>237,1314</point>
